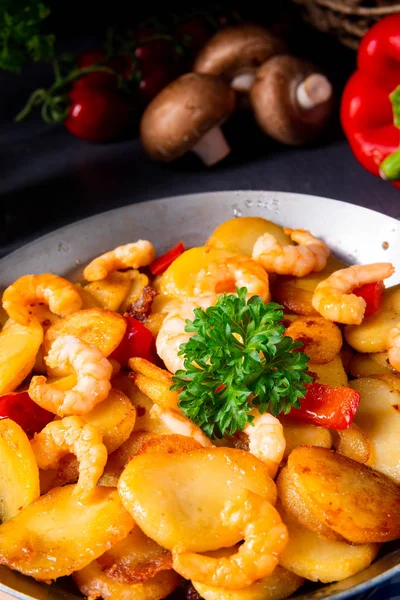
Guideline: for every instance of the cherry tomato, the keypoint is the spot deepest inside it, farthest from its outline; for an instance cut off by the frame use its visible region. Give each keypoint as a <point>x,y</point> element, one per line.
<point>137,341</point>
<point>99,78</point>
<point>96,114</point>
<point>19,407</point>
<point>154,51</point>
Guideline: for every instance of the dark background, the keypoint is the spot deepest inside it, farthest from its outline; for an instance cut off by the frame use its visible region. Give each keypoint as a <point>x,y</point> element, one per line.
<point>49,178</point>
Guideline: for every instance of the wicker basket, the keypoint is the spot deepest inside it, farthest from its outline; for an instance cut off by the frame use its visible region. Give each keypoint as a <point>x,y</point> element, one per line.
<point>348,20</point>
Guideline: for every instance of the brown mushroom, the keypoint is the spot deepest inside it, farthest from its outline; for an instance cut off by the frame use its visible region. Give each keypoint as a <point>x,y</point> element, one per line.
<point>234,53</point>
<point>186,115</point>
<point>291,99</point>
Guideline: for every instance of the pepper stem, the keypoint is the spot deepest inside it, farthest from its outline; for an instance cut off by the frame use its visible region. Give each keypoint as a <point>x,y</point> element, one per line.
<point>390,167</point>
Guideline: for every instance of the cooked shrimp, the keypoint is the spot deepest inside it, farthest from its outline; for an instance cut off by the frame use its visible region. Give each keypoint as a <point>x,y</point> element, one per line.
<point>226,276</point>
<point>72,435</point>
<point>310,255</point>
<point>93,373</point>
<point>333,299</point>
<point>264,535</point>
<point>172,332</point>
<point>138,254</point>
<point>393,346</point>
<point>61,296</point>
<point>176,422</point>
<point>266,440</point>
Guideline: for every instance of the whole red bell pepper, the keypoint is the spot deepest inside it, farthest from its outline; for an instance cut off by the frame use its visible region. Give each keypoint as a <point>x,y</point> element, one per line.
<point>327,406</point>
<point>370,101</point>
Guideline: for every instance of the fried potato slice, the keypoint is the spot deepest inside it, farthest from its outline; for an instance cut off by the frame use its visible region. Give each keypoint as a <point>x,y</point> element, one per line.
<point>239,234</point>
<point>138,282</point>
<point>118,460</point>
<point>88,300</point>
<point>296,507</point>
<point>58,534</point>
<point>378,415</point>
<point>311,556</point>
<point>19,345</point>
<point>279,585</point>
<point>135,559</point>
<point>154,322</point>
<point>169,512</point>
<point>110,292</point>
<point>365,365</point>
<point>353,443</point>
<point>178,280</point>
<point>331,373</point>
<point>153,382</point>
<point>114,418</point>
<point>143,406</point>
<point>371,335</point>
<point>295,293</point>
<point>321,339</point>
<point>19,479</point>
<point>299,434</point>
<point>102,328</point>
<point>354,501</point>
<point>94,583</point>
<point>171,444</point>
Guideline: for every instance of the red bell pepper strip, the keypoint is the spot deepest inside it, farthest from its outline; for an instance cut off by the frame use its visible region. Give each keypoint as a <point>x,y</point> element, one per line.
<point>161,264</point>
<point>19,407</point>
<point>366,110</point>
<point>326,406</point>
<point>372,294</point>
<point>137,341</point>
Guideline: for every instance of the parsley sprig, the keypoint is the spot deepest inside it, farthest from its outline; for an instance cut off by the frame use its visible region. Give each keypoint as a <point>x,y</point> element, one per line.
<point>238,359</point>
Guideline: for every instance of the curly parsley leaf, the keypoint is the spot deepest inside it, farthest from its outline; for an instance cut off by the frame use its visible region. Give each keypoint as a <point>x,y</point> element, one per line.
<point>238,359</point>
<point>20,33</point>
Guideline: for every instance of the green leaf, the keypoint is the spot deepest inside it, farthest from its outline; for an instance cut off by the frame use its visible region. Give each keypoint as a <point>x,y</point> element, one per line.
<point>20,33</point>
<point>238,359</point>
<point>395,100</point>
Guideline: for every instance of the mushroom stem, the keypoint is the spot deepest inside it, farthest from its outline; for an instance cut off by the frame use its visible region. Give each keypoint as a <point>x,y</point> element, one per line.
<point>313,91</point>
<point>212,147</point>
<point>243,82</point>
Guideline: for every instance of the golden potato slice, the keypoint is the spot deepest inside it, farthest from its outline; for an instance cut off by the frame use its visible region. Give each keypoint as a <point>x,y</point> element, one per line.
<point>371,335</point>
<point>179,279</point>
<point>154,382</point>
<point>94,583</point>
<point>138,282</point>
<point>19,478</point>
<point>299,434</point>
<point>321,339</point>
<point>118,460</point>
<point>295,293</point>
<point>365,365</point>
<point>135,559</point>
<point>178,508</point>
<point>378,415</point>
<point>110,292</point>
<point>279,585</point>
<point>88,300</point>
<point>171,444</point>
<point>19,345</point>
<point>311,556</point>
<point>154,322</point>
<point>392,380</point>
<point>114,418</point>
<point>332,373</point>
<point>295,505</point>
<point>58,534</point>
<point>354,501</point>
<point>102,328</point>
<point>353,443</point>
<point>143,405</point>
<point>239,234</point>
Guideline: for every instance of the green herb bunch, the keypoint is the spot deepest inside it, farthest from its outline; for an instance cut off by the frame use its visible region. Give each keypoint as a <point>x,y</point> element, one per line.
<point>239,359</point>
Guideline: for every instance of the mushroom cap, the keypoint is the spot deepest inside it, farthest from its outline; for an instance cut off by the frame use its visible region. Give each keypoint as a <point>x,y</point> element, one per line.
<point>274,102</point>
<point>235,49</point>
<point>182,113</point>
